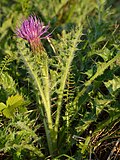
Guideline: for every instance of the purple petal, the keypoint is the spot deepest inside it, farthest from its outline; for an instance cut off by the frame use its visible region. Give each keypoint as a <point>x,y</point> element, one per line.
<point>32,28</point>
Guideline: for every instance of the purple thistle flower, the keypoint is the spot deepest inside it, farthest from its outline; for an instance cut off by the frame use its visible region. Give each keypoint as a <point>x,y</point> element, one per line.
<point>33,31</point>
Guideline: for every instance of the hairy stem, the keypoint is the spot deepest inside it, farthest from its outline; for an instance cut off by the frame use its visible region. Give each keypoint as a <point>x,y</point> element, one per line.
<point>45,99</point>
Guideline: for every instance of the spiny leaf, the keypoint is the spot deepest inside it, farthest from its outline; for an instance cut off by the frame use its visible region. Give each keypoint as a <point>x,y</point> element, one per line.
<point>100,70</point>
<point>29,147</point>
<point>113,84</point>
<point>8,83</point>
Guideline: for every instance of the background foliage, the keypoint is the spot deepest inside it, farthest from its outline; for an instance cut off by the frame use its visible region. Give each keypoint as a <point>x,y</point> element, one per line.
<point>82,62</point>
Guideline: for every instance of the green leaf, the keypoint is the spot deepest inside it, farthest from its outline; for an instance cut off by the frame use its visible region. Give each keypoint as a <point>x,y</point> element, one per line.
<point>5,25</point>
<point>7,113</point>
<point>6,80</point>
<point>85,146</point>
<point>12,103</point>
<point>30,148</point>
<point>113,84</point>
<point>87,141</point>
<point>2,106</point>
<point>15,101</point>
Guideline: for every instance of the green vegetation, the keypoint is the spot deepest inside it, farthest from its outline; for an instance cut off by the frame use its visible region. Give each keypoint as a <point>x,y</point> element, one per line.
<point>61,102</point>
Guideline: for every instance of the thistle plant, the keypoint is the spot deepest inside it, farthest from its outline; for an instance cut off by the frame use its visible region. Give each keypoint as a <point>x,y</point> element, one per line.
<point>42,76</point>
<point>72,84</point>
<point>33,30</point>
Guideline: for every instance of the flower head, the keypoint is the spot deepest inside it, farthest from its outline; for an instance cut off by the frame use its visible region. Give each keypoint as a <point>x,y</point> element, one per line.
<point>33,30</point>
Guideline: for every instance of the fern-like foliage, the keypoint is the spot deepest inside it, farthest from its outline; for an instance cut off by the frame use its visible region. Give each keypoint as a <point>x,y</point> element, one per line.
<point>19,138</point>
<point>7,83</point>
